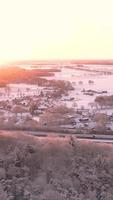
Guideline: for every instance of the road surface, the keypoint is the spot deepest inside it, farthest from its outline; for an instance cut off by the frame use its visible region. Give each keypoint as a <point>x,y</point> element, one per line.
<point>79,137</point>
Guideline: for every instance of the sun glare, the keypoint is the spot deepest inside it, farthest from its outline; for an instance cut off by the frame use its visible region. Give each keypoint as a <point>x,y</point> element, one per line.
<point>50,29</point>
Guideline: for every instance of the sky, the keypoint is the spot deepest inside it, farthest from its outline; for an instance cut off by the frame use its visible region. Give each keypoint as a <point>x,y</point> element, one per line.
<point>56,29</point>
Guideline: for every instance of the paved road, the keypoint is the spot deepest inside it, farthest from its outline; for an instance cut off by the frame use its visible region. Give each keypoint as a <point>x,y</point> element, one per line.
<point>97,140</point>
<point>79,137</point>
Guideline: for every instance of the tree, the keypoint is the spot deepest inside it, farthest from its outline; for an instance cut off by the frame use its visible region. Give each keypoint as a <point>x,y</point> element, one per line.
<point>19,109</point>
<point>3,194</point>
<point>93,105</point>
<point>104,101</point>
<point>75,104</point>
<point>101,120</point>
<point>91,82</point>
<point>7,90</point>
<point>80,82</point>
<point>32,108</point>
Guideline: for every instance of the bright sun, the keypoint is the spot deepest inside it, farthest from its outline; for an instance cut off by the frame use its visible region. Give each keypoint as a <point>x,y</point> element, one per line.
<point>56,29</point>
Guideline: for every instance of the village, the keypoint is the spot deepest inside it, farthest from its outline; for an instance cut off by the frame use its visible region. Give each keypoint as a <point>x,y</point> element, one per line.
<point>56,105</point>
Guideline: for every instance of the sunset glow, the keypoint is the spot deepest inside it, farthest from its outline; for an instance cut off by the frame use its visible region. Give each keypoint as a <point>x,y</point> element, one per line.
<point>56,29</point>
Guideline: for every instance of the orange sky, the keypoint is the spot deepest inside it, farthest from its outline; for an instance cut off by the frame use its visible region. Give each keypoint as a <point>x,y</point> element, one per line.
<point>56,29</point>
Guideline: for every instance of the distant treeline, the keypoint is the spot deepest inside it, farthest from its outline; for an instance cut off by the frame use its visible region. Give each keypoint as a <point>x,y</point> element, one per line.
<point>93,62</point>
<point>17,75</point>
<point>74,61</point>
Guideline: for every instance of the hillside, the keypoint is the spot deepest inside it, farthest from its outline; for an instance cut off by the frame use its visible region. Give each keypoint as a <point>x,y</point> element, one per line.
<point>53,168</point>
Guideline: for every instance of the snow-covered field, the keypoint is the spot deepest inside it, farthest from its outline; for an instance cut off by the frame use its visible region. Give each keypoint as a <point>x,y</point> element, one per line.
<point>19,90</point>
<point>101,83</point>
<point>79,80</point>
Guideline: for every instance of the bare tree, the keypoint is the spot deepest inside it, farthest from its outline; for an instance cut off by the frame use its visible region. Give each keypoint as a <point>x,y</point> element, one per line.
<point>101,121</point>
<point>19,109</point>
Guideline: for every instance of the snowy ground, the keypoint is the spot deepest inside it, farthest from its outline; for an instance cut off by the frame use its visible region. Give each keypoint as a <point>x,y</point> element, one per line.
<point>101,83</point>
<point>76,97</point>
<point>19,90</point>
